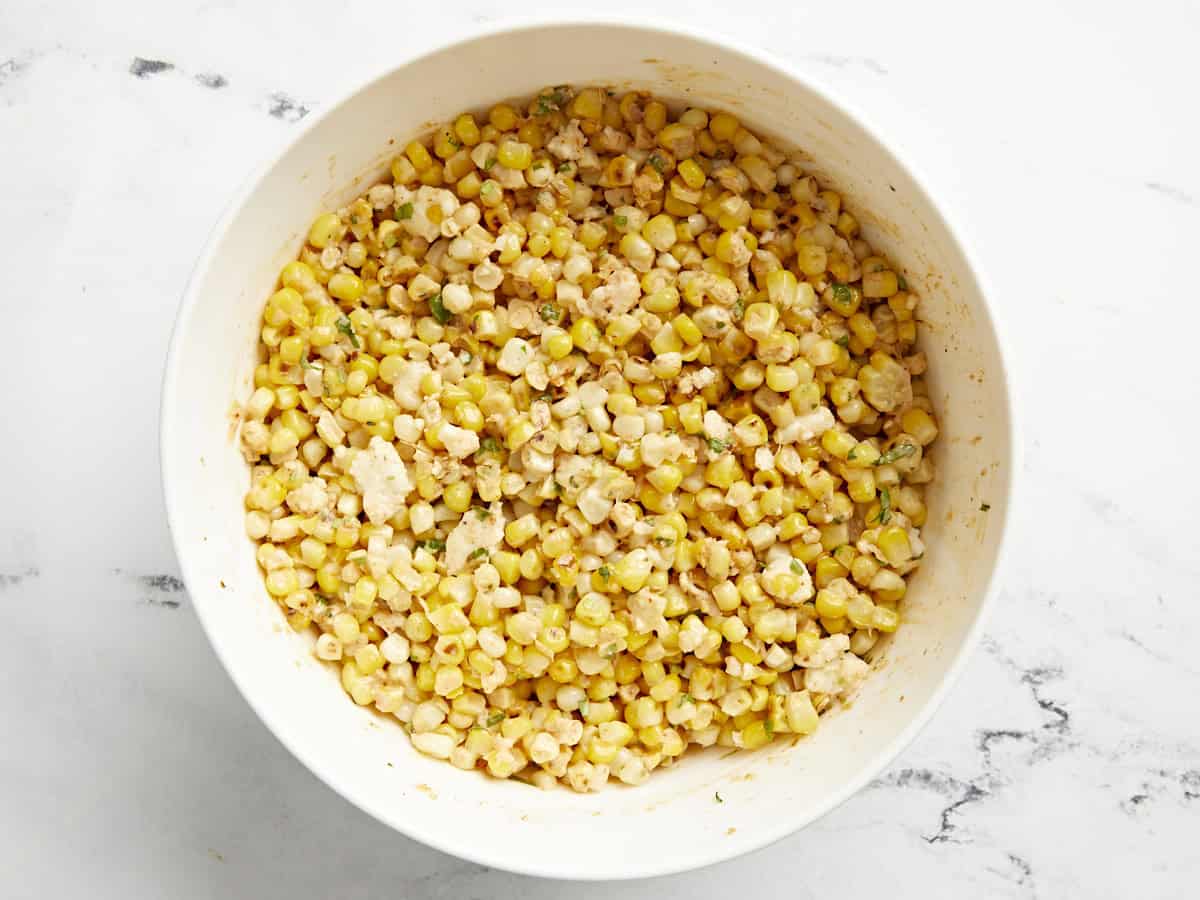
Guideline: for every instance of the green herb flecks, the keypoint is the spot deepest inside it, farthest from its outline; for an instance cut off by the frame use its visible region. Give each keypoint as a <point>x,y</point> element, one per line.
<point>605,572</point>
<point>489,445</point>
<point>404,211</point>
<point>620,221</point>
<point>898,452</point>
<point>548,312</point>
<point>434,545</point>
<point>843,341</point>
<point>344,326</point>
<point>477,552</point>
<point>584,706</point>
<point>843,294</point>
<point>903,285</point>
<point>657,163</point>
<point>885,507</point>
<point>797,567</point>
<point>495,719</point>
<point>716,446</point>
<point>439,309</point>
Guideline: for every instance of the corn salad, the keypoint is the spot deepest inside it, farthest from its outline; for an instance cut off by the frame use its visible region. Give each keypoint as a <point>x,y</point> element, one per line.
<point>591,433</point>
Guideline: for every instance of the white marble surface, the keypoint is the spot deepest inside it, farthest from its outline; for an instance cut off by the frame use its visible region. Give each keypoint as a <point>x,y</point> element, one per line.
<point>1067,760</point>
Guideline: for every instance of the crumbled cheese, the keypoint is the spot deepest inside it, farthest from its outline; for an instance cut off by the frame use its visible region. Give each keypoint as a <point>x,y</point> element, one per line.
<point>839,676</point>
<point>619,294</point>
<point>310,498</point>
<point>477,528</point>
<point>807,427</point>
<point>793,566</point>
<point>382,479</point>
<point>407,387</point>
<point>423,200</point>
<point>715,426</point>
<point>569,142</point>
<point>515,356</point>
<point>459,442</point>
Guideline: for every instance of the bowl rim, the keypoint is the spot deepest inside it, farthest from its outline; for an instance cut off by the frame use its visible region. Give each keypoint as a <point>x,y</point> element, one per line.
<point>579,868</point>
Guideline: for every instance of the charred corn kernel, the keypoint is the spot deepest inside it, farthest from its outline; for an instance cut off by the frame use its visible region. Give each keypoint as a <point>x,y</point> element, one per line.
<point>661,301</point>
<point>723,471</point>
<point>585,335</point>
<point>723,126</point>
<point>920,425</point>
<point>893,542</point>
<point>782,379</point>
<point>326,229</point>
<point>880,284</point>
<point>885,619</point>
<point>692,174</point>
<point>588,104</point>
<point>686,329</point>
<point>418,156</point>
<point>507,565</point>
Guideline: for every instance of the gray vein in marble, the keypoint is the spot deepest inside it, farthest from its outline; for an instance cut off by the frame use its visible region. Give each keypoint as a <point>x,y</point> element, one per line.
<point>11,579</point>
<point>1163,784</point>
<point>166,591</point>
<point>145,68</point>
<point>1021,874</point>
<point>212,80</point>
<point>843,62</point>
<point>1174,193</point>
<point>286,108</point>
<point>12,68</point>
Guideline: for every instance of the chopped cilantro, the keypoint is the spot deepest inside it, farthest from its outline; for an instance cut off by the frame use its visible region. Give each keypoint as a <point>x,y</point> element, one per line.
<point>685,698</point>
<point>984,507</point>
<point>495,719</point>
<point>903,285</point>
<point>344,326</point>
<point>842,294</point>
<point>454,142</point>
<point>717,795</point>
<point>657,163</point>
<point>739,308</point>
<point>483,514</point>
<point>770,729</point>
<point>605,572</point>
<point>489,445</point>
<point>885,507</point>
<point>404,211</point>
<point>850,455</point>
<point>611,650</point>
<point>664,541</point>
<point>620,221</point>
<point>548,312</point>
<point>716,446</point>
<point>490,164</point>
<point>477,552</point>
<point>843,341</point>
<point>584,706</point>
<point>797,566</point>
<point>439,309</point>
<point>898,452</point>
<point>564,166</point>
<point>434,544</point>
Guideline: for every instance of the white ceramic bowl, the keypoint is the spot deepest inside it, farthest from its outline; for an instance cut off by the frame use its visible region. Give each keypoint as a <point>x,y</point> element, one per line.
<point>672,822</point>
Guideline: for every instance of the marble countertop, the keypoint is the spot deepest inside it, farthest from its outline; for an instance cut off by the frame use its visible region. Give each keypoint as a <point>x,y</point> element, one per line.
<point>1067,760</point>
